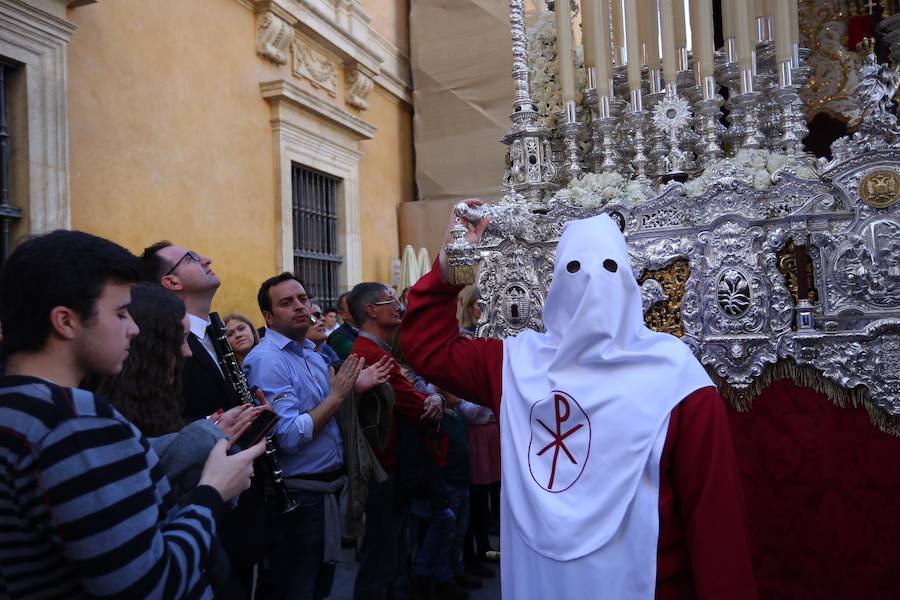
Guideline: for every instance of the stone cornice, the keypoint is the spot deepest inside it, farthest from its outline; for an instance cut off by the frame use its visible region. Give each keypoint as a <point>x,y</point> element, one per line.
<point>35,23</point>
<point>349,40</point>
<point>280,90</point>
<point>343,30</point>
<point>395,76</point>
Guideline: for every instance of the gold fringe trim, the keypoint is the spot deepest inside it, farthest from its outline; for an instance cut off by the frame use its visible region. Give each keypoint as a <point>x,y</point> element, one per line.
<point>808,377</point>
<point>461,275</point>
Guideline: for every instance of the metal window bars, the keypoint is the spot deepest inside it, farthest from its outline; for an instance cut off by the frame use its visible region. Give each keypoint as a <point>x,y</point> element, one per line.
<point>8,213</point>
<point>316,258</point>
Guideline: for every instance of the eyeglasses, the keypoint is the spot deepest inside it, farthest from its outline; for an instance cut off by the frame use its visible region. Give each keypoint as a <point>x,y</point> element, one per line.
<point>391,301</point>
<point>190,255</point>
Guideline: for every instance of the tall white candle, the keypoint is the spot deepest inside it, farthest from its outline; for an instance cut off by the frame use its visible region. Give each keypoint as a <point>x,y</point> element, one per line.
<point>669,58</point>
<point>680,29</point>
<point>728,19</point>
<point>603,62</point>
<point>702,36</point>
<point>795,21</point>
<point>589,32</point>
<point>650,32</point>
<point>633,44</point>
<point>744,25</point>
<point>565,59</point>
<point>618,29</point>
<point>782,31</point>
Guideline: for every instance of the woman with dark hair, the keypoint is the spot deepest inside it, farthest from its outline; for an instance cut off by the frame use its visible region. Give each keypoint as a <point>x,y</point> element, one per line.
<point>148,388</point>
<point>148,392</point>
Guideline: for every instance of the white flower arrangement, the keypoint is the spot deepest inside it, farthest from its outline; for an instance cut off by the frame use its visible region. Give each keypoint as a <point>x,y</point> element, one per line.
<point>596,190</point>
<point>543,70</point>
<point>754,167</point>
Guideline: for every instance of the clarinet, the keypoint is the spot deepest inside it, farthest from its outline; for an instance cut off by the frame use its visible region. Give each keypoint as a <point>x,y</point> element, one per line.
<point>238,382</point>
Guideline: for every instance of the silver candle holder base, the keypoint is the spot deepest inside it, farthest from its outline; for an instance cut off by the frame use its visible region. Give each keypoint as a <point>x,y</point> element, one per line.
<point>605,114</point>
<point>707,108</point>
<point>709,150</point>
<point>570,129</point>
<point>793,126</point>
<point>637,122</point>
<point>749,104</point>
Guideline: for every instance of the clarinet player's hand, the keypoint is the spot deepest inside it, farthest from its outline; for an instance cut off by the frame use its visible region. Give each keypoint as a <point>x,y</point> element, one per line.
<point>235,421</point>
<point>263,403</point>
<point>230,475</point>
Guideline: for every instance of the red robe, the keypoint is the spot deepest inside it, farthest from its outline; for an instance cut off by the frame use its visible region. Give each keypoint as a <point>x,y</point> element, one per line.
<point>407,401</point>
<point>703,550</point>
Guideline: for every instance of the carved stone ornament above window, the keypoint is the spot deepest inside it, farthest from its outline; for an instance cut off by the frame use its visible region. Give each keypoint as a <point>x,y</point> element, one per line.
<point>315,66</point>
<point>273,37</point>
<point>359,86</point>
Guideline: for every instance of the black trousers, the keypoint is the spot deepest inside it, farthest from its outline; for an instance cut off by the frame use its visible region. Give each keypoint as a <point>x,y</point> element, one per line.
<point>384,556</point>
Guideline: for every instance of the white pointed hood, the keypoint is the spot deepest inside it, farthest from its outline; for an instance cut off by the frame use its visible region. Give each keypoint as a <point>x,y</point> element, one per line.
<point>585,403</point>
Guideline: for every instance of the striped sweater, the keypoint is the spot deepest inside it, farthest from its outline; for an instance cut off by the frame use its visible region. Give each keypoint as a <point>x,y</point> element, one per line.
<point>85,509</point>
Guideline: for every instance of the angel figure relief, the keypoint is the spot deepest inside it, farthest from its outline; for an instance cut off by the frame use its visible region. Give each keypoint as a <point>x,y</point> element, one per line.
<point>876,88</point>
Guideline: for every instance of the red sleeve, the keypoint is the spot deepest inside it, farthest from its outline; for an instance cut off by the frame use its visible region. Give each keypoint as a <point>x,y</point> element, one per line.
<point>429,335</point>
<point>709,497</point>
<point>407,400</point>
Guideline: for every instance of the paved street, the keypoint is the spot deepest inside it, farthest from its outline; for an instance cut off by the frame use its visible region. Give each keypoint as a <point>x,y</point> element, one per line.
<point>346,574</point>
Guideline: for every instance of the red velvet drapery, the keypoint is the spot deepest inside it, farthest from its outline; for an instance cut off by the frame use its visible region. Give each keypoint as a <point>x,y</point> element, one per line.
<point>822,487</point>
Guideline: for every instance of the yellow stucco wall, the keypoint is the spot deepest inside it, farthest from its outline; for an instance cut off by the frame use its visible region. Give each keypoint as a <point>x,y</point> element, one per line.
<point>386,176</point>
<point>170,138</point>
<point>390,18</point>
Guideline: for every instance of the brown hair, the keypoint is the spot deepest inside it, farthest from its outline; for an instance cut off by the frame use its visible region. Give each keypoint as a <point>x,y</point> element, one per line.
<point>245,320</point>
<point>467,299</point>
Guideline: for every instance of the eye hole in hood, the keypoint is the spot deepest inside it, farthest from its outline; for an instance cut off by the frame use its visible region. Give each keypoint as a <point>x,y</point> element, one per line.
<point>573,267</point>
<point>610,265</point>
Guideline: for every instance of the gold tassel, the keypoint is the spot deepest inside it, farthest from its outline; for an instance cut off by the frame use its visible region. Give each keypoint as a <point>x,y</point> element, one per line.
<point>461,275</point>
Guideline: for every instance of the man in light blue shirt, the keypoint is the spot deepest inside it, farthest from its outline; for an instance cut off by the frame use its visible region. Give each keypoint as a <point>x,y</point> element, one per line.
<point>298,384</point>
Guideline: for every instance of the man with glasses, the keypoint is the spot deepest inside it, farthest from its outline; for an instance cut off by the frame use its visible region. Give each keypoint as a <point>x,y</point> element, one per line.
<point>189,276</point>
<point>376,309</point>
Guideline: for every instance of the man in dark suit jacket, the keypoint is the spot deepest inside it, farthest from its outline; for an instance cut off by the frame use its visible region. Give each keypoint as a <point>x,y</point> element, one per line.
<point>189,276</point>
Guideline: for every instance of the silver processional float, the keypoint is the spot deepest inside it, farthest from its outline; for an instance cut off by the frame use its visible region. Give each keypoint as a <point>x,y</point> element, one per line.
<point>764,260</point>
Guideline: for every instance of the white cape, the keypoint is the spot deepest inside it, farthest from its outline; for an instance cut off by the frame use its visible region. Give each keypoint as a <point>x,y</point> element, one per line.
<point>584,416</point>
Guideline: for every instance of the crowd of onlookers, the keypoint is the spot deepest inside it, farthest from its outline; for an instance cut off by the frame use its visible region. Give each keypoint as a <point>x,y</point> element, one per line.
<point>167,494</point>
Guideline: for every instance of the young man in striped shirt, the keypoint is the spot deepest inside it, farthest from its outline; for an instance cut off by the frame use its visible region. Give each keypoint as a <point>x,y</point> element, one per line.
<point>85,510</point>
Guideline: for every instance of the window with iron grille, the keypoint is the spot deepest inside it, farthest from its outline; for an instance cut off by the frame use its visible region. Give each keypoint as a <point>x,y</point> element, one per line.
<point>316,258</point>
<point>8,213</point>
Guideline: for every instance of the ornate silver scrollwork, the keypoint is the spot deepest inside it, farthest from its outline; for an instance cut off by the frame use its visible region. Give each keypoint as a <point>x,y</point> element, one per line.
<point>718,243</point>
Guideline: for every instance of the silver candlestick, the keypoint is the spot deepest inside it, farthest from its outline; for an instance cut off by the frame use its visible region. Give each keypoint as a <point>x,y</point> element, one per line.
<point>793,119</point>
<point>707,108</point>
<point>530,170</point>
<point>605,110</point>
<point>749,102</point>
<point>571,130</point>
<point>636,120</point>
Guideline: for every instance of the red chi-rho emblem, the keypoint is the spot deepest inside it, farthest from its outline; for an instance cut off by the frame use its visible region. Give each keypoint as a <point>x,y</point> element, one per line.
<point>560,442</point>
